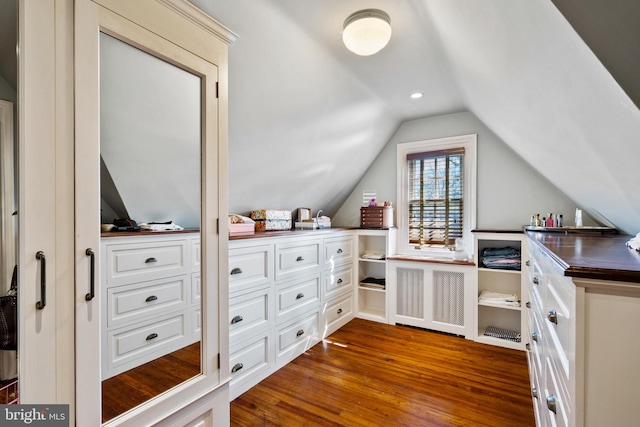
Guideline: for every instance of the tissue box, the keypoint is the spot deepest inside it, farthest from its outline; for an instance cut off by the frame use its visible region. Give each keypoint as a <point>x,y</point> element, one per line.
<point>271,220</point>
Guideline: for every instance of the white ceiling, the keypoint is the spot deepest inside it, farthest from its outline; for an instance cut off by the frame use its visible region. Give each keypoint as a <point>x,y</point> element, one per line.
<point>307,117</point>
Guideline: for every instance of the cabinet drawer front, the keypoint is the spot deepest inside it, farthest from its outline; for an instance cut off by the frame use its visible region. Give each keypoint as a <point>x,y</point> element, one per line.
<point>555,391</point>
<point>136,262</point>
<point>250,267</point>
<point>248,313</point>
<point>249,358</point>
<point>338,251</point>
<point>297,298</point>
<point>297,258</point>
<point>338,281</point>
<point>154,338</point>
<point>298,336</point>
<point>196,288</point>
<point>129,303</point>
<point>560,330</point>
<point>339,310</point>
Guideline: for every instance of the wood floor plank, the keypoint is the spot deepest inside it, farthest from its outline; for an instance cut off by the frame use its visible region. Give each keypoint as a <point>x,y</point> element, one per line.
<point>370,374</point>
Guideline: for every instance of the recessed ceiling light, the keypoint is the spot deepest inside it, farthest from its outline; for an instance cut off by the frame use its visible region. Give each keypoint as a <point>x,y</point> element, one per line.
<point>416,95</point>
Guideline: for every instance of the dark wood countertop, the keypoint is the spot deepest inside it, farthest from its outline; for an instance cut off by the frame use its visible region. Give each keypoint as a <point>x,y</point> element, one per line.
<point>591,256</point>
<point>285,233</point>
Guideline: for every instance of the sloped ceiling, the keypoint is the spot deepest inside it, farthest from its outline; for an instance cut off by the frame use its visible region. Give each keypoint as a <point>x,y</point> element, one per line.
<point>307,117</point>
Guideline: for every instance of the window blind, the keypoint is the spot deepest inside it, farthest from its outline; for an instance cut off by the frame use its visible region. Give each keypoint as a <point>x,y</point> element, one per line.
<point>436,188</point>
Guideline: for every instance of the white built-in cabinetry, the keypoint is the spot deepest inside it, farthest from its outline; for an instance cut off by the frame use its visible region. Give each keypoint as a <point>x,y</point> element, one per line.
<point>150,296</point>
<point>502,281</point>
<point>373,248</point>
<point>287,292</point>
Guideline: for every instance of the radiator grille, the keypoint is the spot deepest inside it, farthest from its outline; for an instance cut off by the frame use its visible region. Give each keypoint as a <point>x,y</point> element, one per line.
<point>448,297</point>
<point>410,288</point>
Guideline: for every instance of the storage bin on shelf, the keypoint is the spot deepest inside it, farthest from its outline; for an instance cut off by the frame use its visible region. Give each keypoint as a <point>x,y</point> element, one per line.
<point>271,220</point>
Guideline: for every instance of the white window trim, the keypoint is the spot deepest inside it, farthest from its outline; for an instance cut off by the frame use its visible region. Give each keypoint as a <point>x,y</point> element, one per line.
<point>469,143</point>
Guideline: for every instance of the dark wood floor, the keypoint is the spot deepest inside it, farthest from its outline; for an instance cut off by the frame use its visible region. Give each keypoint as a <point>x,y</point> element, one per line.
<point>131,388</point>
<point>371,374</point>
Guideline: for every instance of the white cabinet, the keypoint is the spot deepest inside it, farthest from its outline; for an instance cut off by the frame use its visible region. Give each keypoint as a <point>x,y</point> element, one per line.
<point>150,298</point>
<point>288,291</point>
<point>436,296</point>
<point>500,321</point>
<point>373,248</point>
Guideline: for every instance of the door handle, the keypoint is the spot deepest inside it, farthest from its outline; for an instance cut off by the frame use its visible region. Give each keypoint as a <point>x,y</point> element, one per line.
<point>92,280</point>
<point>43,280</point>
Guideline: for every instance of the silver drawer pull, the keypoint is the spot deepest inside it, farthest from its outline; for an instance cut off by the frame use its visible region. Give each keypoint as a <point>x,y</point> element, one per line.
<point>528,304</point>
<point>300,258</point>
<point>236,270</point>
<point>300,296</point>
<point>300,333</point>
<point>534,392</point>
<point>339,251</point>
<point>151,336</point>
<point>339,311</point>
<point>536,280</point>
<point>552,315</point>
<point>236,367</point>
<point>527,346</point>
<point>552,404</point>
<point>339,281</point>
<point>151,298</point>
<point>150,260</point>
<point>534,336</point>
<point>237,319</point>
<point>528,263</point>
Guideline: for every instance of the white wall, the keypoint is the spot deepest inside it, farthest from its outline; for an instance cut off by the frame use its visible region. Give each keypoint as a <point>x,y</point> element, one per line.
<point>509,190</point>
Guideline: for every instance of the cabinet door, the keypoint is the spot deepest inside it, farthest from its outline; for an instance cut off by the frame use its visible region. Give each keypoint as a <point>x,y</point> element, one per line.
<point>45,194</point>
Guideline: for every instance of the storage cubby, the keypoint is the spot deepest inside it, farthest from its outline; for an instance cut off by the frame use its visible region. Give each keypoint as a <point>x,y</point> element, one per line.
<point>374,246</point>
<point>500,277</point>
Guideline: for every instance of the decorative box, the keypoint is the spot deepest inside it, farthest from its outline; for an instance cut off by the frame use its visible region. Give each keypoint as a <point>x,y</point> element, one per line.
<point>376,217</point>
<point>271,220</point>
<point>241,229</point>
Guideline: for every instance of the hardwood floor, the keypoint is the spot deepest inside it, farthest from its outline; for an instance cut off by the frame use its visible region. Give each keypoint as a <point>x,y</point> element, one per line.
<point>371,374</point>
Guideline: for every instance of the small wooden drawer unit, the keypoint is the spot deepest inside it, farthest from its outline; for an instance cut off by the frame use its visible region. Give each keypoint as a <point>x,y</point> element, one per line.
<point>376,217</point>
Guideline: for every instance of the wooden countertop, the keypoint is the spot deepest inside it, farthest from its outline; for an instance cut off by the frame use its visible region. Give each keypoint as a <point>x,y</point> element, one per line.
<point>591,256</point>
<point>285,233</point>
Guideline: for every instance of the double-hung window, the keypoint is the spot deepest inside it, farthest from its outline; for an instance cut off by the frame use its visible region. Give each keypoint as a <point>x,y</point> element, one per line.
<point>436,191</point>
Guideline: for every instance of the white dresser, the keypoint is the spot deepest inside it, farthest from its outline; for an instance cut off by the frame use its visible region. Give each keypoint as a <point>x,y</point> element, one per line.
<point>150,293</point>
<point>287,290</point>
<point>583,317</point>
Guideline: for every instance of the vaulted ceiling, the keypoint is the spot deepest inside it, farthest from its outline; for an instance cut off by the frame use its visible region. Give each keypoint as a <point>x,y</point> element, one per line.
<point>307,117</point>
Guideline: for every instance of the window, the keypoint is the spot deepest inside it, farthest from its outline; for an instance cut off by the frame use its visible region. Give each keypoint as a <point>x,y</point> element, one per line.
<point>436,191</point>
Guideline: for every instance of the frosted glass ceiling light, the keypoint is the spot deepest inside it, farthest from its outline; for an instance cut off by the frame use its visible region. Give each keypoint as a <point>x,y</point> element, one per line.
<point>366,31</point>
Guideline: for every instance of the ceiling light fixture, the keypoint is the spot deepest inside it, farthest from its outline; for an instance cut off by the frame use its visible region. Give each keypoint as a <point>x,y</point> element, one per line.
<point>367,31</point>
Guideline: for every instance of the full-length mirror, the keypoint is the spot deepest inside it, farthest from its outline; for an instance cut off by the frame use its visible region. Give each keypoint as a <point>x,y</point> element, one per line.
<point>150,178</point>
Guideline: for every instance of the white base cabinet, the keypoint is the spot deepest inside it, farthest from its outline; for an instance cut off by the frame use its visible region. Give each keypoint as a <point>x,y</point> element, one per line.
<point>287,292</point>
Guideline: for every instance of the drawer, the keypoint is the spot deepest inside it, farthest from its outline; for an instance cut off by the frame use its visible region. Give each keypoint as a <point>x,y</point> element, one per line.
<point>250,267</point>
<point>248,313</point>
<point>138,262</point>
<point>296,298</point>
<point>196,288</point>
<point>536,346</point>
<point>338,281</point>
<point>338,313</point>
<point>560,329</point>
<point>133,346</point>
<point>555,404</point>
<point>294,339</point>
<point>196,254</point>
<point>249,357</point>
<point>297,258</point>
<point>196,323</point>
<point>338,251</point>
<point>132,303</point>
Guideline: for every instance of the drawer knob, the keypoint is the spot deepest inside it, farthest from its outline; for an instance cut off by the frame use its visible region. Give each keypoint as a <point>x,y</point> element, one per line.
<point>527,346</point>
<point>528,304</point>
<point>339,281</point>
<point>151,336</point>
<point>236,270</point>
<point>339,311</point>
<point>151,298</point>
<point>300,296</point>
<point>552,315</point>
<point>300,258</point>
<point>236,367</point>
<point>536,280</point>
<point>237,319</point>
<point>534,392</point>
<point>552,404</point>
<point>300,333</point>
<point>534,336</point>
<point>528,263</point>
<point>339,250</point>
<point>150,260</point>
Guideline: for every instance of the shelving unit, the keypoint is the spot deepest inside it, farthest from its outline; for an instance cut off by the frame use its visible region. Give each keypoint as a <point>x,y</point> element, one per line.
<point>373,248</point>
<point>507,318</point>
